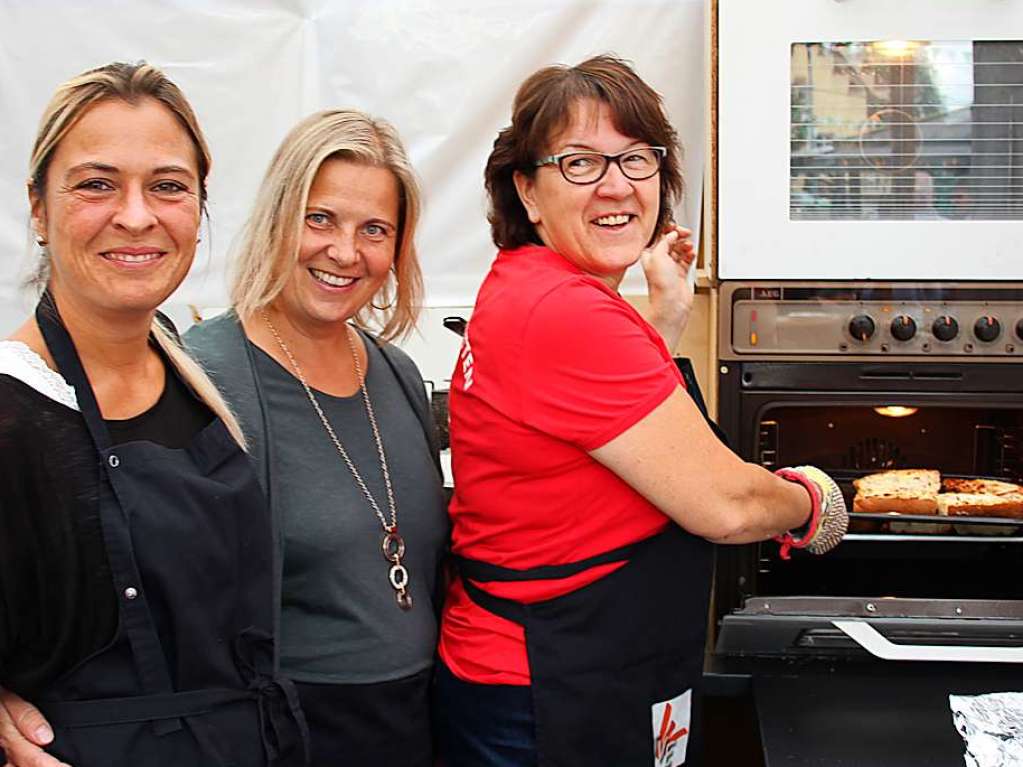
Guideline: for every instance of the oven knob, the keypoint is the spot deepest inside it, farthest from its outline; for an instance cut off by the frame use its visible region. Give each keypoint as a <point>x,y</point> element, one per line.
<point>987,328</point>
<point>1019,330</point>
<point>903,327</point>
<point>945,328</point>
<point>861,327</point>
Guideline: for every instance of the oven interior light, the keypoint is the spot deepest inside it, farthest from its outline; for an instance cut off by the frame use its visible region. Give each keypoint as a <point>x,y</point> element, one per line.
<point>895,49</point>
<point>895,411</point>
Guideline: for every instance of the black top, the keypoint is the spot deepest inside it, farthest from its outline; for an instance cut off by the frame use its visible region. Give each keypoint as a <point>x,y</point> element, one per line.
<point>57,600</point>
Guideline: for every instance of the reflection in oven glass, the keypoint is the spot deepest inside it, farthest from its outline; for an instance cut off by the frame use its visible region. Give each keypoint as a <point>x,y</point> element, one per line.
<point>906,130</point>
<point>851,441</point>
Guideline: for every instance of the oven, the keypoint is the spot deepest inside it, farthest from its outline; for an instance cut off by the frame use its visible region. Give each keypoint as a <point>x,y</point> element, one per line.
<point>869,317</point>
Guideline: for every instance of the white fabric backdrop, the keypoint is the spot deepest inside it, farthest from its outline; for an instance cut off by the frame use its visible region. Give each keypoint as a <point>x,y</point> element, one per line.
<point>443,71</point>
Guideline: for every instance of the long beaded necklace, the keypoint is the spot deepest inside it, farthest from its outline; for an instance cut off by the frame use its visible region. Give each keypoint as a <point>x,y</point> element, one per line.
<point>392,545</point>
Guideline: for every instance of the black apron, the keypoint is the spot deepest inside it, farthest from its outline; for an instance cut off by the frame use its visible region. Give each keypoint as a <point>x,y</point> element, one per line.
<point>616,666</point>
<point>188,538</point>
<point>606,660</point>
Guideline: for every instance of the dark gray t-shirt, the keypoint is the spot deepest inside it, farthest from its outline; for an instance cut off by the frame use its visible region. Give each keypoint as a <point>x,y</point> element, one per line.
<point>340,621</point>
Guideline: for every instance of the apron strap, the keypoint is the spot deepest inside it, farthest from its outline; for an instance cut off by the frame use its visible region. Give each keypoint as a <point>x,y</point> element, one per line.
<point>274,695</point>
<point>685,368</point>
<point>509,609</point>
<point>485,571</point>
<point>139,708</point>
<point>475,570</point>
<point>136,620</point>
<point>172,707</point>
<point>69,365</point>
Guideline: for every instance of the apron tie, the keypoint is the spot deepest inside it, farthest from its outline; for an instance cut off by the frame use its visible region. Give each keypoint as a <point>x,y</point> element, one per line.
<point>253,651</point>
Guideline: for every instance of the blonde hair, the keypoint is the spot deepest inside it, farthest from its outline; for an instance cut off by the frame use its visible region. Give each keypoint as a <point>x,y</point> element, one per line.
<point>130,83</point>
<point>270,241</point>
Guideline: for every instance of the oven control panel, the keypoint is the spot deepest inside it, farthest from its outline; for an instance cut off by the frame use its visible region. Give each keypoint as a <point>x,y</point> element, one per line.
<point>872,320</point>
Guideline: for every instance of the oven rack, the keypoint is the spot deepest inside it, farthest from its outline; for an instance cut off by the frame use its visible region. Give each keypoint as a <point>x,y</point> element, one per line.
<point>935,519</point>
<point>1000,526</point>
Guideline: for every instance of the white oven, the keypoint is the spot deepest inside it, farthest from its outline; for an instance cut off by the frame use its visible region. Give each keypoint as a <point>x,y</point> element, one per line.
<point>870,140</point>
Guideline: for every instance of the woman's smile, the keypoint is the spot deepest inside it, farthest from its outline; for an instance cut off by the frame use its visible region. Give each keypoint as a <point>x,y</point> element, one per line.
<point>330,280</point>
<point>133,257</point>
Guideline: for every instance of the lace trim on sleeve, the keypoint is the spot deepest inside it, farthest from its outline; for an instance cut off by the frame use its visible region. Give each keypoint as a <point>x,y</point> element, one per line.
<point>19,361</point>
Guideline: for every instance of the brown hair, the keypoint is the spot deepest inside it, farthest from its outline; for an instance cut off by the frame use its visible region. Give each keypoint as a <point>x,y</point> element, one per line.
<point>543,107</point>
<point>272,236</point>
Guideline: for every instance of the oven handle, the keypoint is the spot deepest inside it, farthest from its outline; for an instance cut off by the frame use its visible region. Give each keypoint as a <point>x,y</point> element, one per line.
<point>871,640</point>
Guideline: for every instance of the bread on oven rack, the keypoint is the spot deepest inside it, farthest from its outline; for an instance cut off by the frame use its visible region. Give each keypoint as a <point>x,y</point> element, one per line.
<point>980,505</point>
<point>919,491</point>
<point>981,487</point>
<point>901,491</point>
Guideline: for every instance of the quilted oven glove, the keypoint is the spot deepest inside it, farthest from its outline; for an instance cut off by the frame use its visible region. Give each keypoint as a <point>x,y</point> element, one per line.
<point>829,519</point>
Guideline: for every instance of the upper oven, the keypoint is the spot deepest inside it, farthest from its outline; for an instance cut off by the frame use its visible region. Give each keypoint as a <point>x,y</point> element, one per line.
<point>870,140</point>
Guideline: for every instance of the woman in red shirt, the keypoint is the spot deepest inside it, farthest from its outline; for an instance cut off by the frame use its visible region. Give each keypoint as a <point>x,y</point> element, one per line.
<point>589,488</point>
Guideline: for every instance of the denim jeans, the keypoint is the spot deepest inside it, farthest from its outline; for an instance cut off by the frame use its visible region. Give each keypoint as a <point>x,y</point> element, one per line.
<point>483,725</point>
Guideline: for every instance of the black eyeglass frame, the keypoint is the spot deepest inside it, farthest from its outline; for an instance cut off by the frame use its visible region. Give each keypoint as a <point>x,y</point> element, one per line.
<point>555,159</point>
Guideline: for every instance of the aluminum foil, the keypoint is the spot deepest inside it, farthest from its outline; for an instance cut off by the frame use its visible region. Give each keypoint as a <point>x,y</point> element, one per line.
<point>992,726</point>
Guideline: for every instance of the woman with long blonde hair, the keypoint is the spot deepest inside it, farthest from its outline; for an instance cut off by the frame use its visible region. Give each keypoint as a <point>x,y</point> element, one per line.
<point>341,432</point>
<point>136,556</point>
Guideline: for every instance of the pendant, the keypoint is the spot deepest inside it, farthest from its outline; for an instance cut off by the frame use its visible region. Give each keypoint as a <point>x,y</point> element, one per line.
<point>393,546</point>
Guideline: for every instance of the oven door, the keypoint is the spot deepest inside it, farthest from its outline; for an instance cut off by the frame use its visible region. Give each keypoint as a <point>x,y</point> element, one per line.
<point>795,691</point>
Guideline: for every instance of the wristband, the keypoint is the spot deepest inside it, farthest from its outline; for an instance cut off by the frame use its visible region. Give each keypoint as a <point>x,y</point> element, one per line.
<point>789,541</point>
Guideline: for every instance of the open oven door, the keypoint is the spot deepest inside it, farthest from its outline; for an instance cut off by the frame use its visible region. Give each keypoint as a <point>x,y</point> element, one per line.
<point>887,716</point>
<point>860,683</point>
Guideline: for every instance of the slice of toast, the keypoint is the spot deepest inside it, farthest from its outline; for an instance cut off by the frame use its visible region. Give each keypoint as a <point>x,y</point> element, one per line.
<point>901,491</point>
<point>980,486</point>
<point>978,505</point>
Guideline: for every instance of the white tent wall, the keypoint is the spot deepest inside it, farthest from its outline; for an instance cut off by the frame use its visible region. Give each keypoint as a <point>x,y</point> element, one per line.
<point>443,71</point>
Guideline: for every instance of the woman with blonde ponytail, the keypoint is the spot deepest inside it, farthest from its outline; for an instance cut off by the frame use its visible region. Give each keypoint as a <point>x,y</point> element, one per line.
<point>136,554</point>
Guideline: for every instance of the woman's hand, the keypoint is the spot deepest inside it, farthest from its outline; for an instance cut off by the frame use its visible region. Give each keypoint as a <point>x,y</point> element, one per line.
<point>666,266</point>
<point>23,731</point>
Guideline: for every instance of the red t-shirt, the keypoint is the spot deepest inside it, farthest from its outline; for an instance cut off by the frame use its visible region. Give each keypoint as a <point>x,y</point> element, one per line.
<point>554,364</point>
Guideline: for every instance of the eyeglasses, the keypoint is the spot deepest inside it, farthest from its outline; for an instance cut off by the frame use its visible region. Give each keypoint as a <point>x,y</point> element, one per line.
<point>590,167</point>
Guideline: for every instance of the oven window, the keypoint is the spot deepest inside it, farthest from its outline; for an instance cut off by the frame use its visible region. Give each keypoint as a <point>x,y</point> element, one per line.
<point>906,130</point>
<point>861,439</point>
